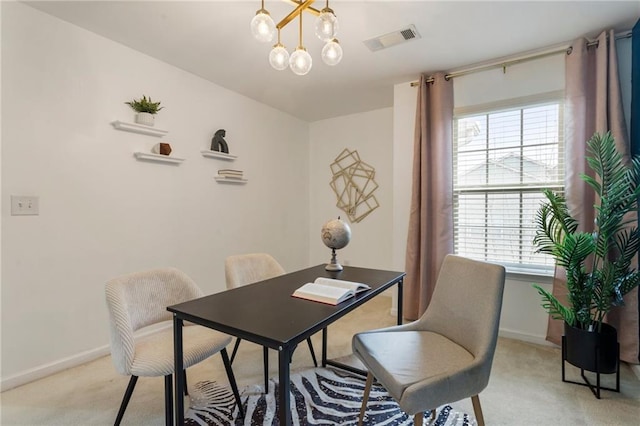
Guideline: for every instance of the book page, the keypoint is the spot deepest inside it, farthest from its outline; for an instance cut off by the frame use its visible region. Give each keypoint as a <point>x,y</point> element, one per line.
<point>323,293</point>
<point>356,287</point>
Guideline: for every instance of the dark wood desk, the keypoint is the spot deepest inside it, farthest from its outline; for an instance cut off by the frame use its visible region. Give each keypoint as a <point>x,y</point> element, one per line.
<point>266,314</point>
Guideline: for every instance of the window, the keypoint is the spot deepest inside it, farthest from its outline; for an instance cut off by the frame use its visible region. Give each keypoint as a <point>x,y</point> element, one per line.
<point>503,157</point>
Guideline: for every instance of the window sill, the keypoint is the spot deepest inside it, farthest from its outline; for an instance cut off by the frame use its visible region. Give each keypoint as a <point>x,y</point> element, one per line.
<point>529,276</point>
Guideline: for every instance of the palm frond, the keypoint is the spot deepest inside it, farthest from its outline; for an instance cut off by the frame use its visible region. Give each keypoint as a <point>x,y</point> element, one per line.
<point>575,248</point>
<point>623,286</point>
<point>554,307</point>
<point>553,222</point>
<point>627,246</point>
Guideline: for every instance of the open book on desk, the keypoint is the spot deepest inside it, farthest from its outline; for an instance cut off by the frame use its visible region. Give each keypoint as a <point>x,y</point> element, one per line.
<point>328,290</point>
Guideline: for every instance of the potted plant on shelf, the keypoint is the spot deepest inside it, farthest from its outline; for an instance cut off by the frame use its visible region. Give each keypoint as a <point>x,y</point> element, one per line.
<point>145,109</point>
<point>598,262</point>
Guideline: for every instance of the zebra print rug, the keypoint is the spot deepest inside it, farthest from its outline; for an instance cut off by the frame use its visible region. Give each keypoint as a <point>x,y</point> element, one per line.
<point>319,396</point>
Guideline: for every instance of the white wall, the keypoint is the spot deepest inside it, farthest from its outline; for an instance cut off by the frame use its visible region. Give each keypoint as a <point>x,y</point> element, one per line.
<point>102,213</point>
<point>404,118</point>
<point>1,197</point>
<point>371,134</point>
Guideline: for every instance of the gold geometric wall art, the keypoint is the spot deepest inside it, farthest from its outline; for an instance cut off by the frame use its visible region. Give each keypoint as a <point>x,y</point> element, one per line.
<point>354,183</point>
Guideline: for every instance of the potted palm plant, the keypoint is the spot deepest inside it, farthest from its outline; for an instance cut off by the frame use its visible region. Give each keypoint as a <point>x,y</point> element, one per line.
<point>597,261</point>
<point>145,109</point>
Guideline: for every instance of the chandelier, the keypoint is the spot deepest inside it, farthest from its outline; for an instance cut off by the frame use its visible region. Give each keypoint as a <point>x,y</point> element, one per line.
<point>264,29</point>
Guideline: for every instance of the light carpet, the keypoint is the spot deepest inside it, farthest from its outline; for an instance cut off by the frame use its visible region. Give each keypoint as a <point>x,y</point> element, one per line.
<point>319,396</point>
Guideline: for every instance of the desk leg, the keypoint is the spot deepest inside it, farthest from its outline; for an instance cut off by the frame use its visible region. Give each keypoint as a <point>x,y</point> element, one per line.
<point>284,357</point>
<point>324,347</point>
<point>399,302</point>
<point>179,367</point>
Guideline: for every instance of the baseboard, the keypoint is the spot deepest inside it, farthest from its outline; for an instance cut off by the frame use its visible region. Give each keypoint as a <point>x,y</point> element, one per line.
<point>45,370</point>
<point>529,338</point>
<point>52,368</point>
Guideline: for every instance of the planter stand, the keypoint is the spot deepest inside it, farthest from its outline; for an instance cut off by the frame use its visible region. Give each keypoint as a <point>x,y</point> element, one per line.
<point>594,389</point>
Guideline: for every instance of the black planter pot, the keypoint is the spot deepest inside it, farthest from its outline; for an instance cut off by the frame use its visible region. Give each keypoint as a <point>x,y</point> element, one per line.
<point>591,350</point>
<point>598,352</point>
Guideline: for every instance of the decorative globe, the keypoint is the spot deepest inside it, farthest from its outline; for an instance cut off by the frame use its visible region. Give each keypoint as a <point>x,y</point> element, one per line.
<point>336,234</point>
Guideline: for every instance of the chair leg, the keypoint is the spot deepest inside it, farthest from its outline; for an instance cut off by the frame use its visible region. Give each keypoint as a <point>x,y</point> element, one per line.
<point>477,410</point>
<point>168,400</point>
<point>235,349</point>
<point>186,388</point>
<point>365,398</point>
<point>125,399</point>
<point>232,380</point>
<point>417,419</point>
<point>265,360</point>
<point>313,353</point>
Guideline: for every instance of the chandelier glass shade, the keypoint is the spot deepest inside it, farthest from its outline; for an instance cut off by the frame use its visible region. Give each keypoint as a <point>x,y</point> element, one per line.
<point>300,61</point>
<point>262,26</point>
<point>332,52</point>
<point>326,25</point>
<point>279,57</point>
<point>263,29</point>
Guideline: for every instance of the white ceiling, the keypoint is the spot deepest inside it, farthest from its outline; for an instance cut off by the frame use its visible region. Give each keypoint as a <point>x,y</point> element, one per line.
<point>212,39</point>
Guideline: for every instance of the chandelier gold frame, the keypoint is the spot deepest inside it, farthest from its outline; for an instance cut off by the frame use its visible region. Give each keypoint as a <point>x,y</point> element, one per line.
<point>302,6</point>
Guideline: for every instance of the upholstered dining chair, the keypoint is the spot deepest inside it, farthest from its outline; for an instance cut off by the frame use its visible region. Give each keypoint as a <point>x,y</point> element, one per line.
<point>446,355</point>
<point>244,269</point>
<point>140,299</point>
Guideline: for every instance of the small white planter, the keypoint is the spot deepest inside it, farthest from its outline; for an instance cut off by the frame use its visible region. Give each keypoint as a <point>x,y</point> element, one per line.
<point>144,118</point>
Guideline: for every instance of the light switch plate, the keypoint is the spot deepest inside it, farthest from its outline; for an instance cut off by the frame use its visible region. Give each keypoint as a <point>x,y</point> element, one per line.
<point>22,205</point>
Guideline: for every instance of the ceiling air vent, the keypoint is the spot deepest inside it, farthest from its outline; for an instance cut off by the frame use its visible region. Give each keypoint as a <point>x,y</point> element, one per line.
<point>393,38</point>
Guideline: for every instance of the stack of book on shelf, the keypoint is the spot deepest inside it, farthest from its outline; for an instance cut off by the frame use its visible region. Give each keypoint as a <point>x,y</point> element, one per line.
<point>230,174</point>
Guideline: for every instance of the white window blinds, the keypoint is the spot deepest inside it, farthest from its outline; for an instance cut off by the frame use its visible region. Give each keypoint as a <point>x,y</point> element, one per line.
<point>503,157</point>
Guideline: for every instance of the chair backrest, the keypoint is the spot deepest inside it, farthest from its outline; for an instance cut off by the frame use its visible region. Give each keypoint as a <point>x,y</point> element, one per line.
<point>243,269</point>
<point>466,305</point>
<point>138,300</point>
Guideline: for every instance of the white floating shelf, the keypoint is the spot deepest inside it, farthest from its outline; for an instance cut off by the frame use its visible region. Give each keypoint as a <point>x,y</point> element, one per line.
<point>144,156</point>
<point>230,180</point>
<point>139,128</point>
<point>217,154</point>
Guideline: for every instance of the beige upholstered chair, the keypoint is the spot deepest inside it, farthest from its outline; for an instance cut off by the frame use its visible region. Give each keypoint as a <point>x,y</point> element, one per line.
<point>446,355</point>
<point>243,269</point>
<point>140,299</point>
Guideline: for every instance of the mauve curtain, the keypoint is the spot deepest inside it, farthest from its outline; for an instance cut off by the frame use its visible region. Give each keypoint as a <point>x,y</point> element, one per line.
<point>593,103</point>
<point>430,236</point>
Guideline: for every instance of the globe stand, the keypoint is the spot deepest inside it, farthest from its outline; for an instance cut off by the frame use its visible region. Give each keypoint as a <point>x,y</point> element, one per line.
<point>334,265</point>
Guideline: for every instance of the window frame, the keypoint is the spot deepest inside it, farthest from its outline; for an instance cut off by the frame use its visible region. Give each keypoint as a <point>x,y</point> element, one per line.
<point>520,103</point>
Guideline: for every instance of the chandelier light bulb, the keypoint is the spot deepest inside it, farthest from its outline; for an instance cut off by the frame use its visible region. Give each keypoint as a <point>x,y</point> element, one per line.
<point>300,61</point>
<point>332,52</point>
<point>279,57</point>
<point>326,25</point>
<point>262,26</point>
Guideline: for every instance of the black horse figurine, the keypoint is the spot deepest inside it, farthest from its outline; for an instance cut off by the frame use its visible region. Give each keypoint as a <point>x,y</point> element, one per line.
<point>218,143</point>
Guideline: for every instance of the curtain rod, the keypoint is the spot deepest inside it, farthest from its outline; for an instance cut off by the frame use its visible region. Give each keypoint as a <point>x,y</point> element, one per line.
<point>526,58</point>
